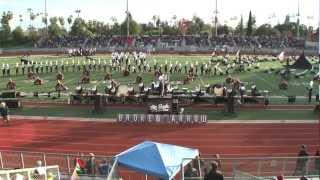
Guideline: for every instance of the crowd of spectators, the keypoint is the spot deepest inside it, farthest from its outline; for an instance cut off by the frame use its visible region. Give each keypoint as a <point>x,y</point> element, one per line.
<point>171,41</point>
<point>62,41</point>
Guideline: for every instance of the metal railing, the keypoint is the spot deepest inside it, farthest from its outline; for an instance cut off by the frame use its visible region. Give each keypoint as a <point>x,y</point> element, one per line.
<point>260,166</point>
<point>256,166</point>
<point>47,172</point>
<point>66,162</point>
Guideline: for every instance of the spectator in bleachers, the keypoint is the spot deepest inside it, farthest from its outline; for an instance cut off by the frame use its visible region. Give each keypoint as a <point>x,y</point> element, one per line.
<point>214,173</point>
<point>273,42</point>
<point>190,172</point>
<point>40,171</point>
<point>78,158</point>
<point>91,165</point>
<point>196,162</point>
<point>104,168</point>
<point>280,177</point>
<point>79,166</point>
<point>51,176</point>
<point>18,176</point>
<point>302,160</point>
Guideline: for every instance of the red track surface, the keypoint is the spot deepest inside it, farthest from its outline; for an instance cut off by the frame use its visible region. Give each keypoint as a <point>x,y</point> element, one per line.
<point>106,138</point>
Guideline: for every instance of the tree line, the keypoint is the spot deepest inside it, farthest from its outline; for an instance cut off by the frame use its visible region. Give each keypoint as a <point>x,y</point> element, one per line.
<point>77,26</point>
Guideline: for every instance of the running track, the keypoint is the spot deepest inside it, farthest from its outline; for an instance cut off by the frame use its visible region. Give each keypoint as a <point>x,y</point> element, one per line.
<point>106,138</point>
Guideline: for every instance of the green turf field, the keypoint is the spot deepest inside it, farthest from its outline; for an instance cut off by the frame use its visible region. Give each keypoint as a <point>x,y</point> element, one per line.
<point>264,81</point>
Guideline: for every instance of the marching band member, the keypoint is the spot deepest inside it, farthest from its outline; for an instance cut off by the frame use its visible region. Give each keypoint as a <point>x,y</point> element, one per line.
<point>105,66</point>
<point>22,68</point>
<point>56,66</point>
<point>67,66</point>
<point>47,67</point>
<point>51,66</point>
<point>41,67</point>
<point>17,68</point>
<point>99,64</point>
<point>73,66</point>
<point>36,67</point>
<point>3,70</point>
<point>62,65</point>
<point>79,65</point>
<point>8,70</point>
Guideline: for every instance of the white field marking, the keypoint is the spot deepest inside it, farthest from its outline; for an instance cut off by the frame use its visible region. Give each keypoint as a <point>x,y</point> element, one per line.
<point>18,117</point>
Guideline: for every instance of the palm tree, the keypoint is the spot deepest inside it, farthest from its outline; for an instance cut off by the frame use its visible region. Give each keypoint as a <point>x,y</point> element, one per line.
<point>40,15</point>
<point>70,19</point>
<point>32,17</point>
<point>29,11</point>
<point>9,16</point>
<point>20,18</point>
<point>78,11</point>
<point>113,19</point>
<point>174,19</point>
<point>154,19</point>
<point>61,21</point>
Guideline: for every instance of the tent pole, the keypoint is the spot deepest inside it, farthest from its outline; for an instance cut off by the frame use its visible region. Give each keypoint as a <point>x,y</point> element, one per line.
<point>199,166</point>
<point>182,171</point>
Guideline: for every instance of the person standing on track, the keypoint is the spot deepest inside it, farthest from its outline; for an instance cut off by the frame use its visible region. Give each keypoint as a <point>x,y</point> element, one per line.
<point>317,162</point>
<point>4,110</point>
<point>190,172</point>
<point>302,161</point>
<point>214,173</point>
<point>91,165</point>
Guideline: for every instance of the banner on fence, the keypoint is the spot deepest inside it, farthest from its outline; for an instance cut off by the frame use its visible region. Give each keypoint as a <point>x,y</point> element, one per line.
<point>45,172</point>
<point>163,118</point>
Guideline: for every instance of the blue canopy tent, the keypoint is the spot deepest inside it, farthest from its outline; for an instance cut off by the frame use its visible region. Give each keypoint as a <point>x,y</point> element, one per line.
<point>156,159</point>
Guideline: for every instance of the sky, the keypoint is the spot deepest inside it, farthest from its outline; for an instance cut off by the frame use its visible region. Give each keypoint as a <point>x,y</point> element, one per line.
<point>266,11</point>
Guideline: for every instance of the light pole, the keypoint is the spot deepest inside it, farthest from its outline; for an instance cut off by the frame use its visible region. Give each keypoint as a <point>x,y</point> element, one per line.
<point>159,25</point>
<point>30,12</point>
<point>298,20</point>
<point>128,23</point>
<point>216,19</point>
<point>319,49</point>
<point>232,19</point>
<point>128,19</point>
<point>46,16</point>
<point>272,16</point>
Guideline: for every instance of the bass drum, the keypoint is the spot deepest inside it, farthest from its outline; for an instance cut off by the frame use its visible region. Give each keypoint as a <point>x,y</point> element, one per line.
<point>123,91</point>
<point>218,91</point>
